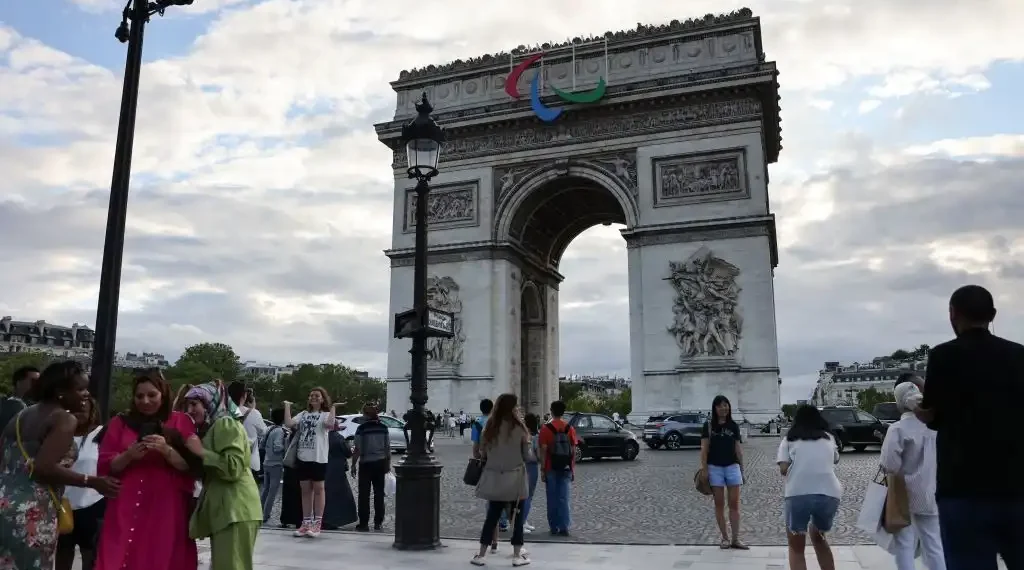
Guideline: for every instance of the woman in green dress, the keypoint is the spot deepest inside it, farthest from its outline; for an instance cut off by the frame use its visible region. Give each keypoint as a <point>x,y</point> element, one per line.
<point>229,510</point>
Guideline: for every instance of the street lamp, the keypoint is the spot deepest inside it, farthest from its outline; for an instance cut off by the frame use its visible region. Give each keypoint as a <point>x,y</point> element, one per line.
<point>138,13</point>
<point>418,495</point>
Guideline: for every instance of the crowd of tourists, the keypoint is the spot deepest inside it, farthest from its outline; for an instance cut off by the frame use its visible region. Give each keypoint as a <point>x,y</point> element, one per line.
<point>137,492</point>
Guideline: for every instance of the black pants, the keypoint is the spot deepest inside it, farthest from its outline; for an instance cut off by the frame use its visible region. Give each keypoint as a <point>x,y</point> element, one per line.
<point>494,510</point>
<point>372,474</point>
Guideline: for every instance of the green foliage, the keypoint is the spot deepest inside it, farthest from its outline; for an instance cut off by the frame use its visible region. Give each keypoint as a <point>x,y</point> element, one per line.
<point>577,400</point>
<point>341,383</point>
<point>918,353</point>
<point>867,399</point>
<point>214,359</point>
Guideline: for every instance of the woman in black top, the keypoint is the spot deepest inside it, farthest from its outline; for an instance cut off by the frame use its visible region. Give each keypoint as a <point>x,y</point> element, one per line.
<point>721,457</point>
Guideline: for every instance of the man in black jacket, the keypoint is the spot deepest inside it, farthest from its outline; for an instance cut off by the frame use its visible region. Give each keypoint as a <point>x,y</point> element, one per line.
<point>975,382</point>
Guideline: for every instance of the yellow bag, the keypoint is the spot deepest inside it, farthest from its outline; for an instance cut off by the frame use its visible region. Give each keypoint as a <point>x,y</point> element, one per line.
<point>65,515</point>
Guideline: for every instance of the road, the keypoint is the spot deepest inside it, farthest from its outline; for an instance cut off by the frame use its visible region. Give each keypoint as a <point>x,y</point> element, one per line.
<point>652,500</point>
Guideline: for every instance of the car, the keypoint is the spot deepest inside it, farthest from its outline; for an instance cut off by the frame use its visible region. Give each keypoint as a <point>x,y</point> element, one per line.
<point>674,430</point>
<point>853,427</point>
<point>599,436</point>
<point>348,423</point>
<point>887,412</point>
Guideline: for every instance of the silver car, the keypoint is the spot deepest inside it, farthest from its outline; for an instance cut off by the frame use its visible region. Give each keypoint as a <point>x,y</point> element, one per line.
<point>348,424</point>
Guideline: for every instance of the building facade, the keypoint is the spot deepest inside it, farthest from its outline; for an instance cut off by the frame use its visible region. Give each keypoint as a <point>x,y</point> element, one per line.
<point>57,341</point>
<point>838,385</point>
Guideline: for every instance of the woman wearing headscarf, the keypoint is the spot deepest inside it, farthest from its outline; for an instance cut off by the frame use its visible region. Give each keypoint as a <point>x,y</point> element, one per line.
<point>229,510</point>
<point>340,506</point>
<point>909,451</point>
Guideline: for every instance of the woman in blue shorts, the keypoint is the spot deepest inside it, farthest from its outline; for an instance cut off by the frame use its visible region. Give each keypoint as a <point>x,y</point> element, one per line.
<point>721,457</point>
<point>807,458</point>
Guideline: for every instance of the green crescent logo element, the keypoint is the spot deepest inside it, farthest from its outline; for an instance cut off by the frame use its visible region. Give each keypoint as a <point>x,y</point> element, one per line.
<point>592,96</point>
<point>544,113</point>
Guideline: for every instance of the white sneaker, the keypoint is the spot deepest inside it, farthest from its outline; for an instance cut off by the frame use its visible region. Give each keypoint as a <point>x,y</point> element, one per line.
<point>521,560</point>
<point>303,529</point>
<point>477,560</point>
<point>529,527</point>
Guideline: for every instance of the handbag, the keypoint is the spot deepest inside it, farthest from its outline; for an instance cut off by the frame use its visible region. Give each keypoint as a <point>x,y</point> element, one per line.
<point>474,469</point>
<point>291,455</point>
<point>65,516</point>
<point>702,483</point>
<point>897,505</point>
<point>872,509</point>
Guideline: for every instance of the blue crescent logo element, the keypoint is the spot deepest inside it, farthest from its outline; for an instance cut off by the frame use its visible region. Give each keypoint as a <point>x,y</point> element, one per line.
<point>546,114</point>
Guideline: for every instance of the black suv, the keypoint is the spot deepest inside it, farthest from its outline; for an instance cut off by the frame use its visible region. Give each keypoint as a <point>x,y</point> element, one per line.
<point>853,427</point>
<point>599,437</point>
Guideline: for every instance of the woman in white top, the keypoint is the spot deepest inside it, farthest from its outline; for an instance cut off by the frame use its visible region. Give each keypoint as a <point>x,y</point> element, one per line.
<point>909,451</point>
<point>807,458</point>
<point>87,504</point>
<point>313,447</point>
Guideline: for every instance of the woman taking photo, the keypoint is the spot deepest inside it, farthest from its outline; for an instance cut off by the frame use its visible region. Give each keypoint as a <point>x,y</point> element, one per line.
<point>909,451</point>
<point>36,452</point>
<point>807,458</point>
<point>229,511</point>
<point>146,526</point>
<point>721,458</point>
<point>504,483</point>
<point>87,504</point>
<point>312,453</point>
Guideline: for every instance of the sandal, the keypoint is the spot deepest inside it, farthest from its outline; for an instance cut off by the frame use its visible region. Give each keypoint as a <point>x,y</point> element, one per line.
<point>725,544</point>
<point>739,545</point>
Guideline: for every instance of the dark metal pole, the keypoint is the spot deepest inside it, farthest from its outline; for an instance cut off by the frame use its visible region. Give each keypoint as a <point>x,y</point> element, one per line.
<point>418,499</point>
<point>117,211</point>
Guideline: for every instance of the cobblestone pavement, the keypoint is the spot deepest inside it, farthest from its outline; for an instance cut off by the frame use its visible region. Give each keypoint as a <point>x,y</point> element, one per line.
<point>652,500</point>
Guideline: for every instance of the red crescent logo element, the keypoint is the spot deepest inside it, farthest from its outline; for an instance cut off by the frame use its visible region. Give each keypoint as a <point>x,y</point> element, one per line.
<point>512,81</point>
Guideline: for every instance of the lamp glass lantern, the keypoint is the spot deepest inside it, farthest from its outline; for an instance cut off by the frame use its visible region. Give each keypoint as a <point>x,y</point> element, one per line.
<point>423,142</point>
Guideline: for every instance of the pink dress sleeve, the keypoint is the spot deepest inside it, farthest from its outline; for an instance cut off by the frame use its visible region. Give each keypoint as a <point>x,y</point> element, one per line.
<point>184,424</point>
<point>110,447</point>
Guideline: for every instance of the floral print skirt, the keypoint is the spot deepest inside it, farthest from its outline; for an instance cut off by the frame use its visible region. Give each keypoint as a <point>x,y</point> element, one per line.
<point>28,518</point>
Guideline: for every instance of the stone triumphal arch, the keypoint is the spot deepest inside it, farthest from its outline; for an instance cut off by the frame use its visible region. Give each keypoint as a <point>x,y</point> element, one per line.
<point>667,130</point>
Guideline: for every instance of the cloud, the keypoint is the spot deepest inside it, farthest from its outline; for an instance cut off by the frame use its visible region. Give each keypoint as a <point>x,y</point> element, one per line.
<point>261,199</point>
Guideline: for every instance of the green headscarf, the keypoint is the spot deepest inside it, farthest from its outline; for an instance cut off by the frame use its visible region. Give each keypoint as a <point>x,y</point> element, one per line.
<point>214,396</point>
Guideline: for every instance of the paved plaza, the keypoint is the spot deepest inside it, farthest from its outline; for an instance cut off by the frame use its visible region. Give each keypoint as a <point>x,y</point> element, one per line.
<point>652,500</point>
<point>277,550</point>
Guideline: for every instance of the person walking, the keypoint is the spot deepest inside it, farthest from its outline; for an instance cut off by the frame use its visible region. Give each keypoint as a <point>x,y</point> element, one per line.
<point>37,452</point>
<point>229,511</point>
<point>557,442</point>
<point>909,452</point>
<point>312,453</point>
<point>807,458</point>
<point>505,449</point>
<point>532,422</point>
<point>371,462</point>
<point>721,457</point>
<point>978,447</point>
<point>87,504</point>
<point>275,445</point>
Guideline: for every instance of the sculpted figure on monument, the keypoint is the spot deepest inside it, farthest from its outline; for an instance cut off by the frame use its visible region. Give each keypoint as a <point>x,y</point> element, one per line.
<point>706,322</point>
<point>681,180</point>
<point>443,295</point>
<point>445,206</point>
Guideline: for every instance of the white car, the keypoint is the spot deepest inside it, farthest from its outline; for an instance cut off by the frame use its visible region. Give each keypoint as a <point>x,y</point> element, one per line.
<point>348,423</point>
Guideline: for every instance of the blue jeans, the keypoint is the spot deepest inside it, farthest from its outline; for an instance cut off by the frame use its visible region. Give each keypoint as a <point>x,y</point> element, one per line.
<point>271,485</point>
<point>557,487</point>
<point>533,472</point>
<point>974,531</point>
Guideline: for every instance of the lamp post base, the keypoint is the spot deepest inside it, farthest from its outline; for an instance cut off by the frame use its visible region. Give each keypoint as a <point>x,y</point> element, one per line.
<point>418,504</point>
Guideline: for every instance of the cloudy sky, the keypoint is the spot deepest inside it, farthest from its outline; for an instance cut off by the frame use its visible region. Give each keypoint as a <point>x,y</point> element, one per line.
<point>262,201</point>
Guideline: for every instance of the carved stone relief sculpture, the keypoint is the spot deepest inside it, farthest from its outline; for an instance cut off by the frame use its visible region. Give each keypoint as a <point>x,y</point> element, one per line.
<point>622,166</point>
<point>701,178</point>
<point>454,205</point>
<point>443,295</point>
<point>707,321</point>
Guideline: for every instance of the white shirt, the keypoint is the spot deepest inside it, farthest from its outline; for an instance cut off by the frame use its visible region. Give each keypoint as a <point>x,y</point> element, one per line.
<point>811,467</point>
<point>254,428</point>
<point>88,456</point>
<point>909,450</point>
<point>313,445</point>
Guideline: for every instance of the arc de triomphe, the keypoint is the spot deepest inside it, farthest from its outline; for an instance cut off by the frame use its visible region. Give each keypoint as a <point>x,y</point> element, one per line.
<point>667,130</point>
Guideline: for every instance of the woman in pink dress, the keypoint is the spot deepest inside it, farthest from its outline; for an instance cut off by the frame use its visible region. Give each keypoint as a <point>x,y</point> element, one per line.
<point>146,526</point>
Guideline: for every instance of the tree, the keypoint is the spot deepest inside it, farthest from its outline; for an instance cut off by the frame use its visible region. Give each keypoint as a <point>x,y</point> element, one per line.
<point>868,399</point>
<point>569,391</point>
<point>789,410</point>
<point>218,359</point>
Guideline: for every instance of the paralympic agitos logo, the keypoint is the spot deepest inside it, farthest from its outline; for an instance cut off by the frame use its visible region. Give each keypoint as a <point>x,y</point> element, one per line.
<point>543,112</point>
